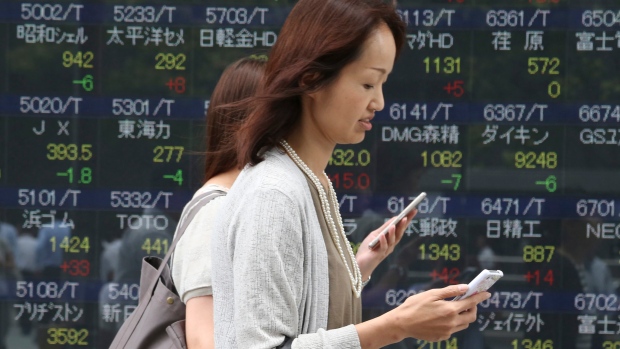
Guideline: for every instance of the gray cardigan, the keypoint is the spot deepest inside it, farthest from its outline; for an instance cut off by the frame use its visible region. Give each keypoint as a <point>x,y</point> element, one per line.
<point>270,270</point>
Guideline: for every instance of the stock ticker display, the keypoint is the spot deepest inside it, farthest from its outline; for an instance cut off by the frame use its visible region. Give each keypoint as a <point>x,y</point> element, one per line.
<point>507,113</point>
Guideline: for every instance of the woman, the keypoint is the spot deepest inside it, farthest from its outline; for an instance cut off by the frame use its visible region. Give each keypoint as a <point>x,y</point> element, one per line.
<point>191,267</point>
<point>283,272</point>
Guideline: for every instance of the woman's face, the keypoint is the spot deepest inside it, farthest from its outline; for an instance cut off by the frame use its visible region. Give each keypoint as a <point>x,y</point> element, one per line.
<point>341,112</point>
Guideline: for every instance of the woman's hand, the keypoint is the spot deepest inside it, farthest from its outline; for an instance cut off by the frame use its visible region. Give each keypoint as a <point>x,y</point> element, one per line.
<point>427,316</point>
<point>368,259</point>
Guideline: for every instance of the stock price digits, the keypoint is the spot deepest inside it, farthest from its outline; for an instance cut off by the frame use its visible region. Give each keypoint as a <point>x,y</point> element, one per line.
<point>72,152</point>
<point>447,275</point>
<point>165,153</point>
<point>445,65</point>
<point>72,244</point>
<point>433,252</point>
<point>159,246</point>
<point>350,180</point>
<point>349,157</point>
<point>170,61</point>
<point>532,160</point>
<point>85,175</point>
<point>611,345</point>
<point>538,253</point>
<point>532,344</point>
<point>63,336</point>
<point>76,267</point>
<point>442,159</point>
<point>535,277</point>
<point>447,344</point>
<point>80,59</point>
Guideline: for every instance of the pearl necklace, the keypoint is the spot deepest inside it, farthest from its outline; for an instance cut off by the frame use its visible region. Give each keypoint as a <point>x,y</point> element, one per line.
<point>356,280</point>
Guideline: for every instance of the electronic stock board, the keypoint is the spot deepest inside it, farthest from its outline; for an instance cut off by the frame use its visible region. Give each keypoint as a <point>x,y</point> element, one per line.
<point>507,113</point>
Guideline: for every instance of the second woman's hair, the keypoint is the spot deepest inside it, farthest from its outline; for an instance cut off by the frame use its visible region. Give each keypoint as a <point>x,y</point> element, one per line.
<point>238,82</point>
<point>318,39</point>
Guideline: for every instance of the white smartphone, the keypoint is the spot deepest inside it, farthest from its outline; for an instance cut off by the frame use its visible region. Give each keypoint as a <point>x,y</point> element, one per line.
<point>481,283</point>
<point>405,212</point>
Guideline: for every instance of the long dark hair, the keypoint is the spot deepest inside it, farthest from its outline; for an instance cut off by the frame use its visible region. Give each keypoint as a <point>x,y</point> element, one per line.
<point>238,82</point>
<point>317,40</point>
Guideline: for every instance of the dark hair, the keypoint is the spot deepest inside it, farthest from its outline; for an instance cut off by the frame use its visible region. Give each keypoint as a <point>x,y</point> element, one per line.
<point>238,82</point>
<point>318,39</point>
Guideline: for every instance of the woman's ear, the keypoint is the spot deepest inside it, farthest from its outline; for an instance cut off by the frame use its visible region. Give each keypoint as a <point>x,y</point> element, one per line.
<point>309,80</point>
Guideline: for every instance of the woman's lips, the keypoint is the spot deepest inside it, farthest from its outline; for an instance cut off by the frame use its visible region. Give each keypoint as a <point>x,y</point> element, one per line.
<point>366,124</point>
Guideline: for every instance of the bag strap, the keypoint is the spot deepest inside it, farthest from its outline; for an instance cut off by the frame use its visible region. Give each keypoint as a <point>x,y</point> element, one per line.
<point>189,212</point>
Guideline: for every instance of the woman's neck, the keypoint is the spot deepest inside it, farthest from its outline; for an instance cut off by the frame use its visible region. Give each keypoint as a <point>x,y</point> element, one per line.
<point>312,152</point>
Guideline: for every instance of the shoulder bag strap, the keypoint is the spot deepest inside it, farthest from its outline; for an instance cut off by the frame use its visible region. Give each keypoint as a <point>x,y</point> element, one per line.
<point>189,212</point>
